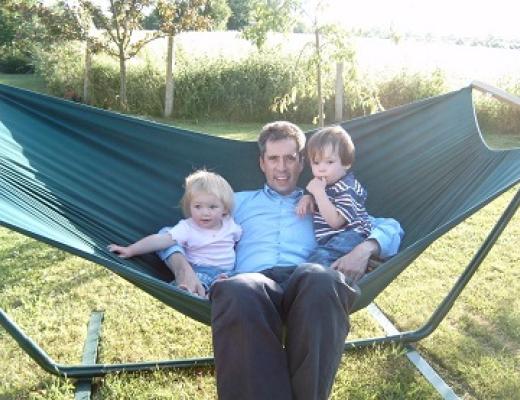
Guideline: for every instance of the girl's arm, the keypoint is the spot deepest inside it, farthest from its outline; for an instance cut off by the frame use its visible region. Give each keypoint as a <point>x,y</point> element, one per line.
<point>327,210</point>
<point>148,244</point>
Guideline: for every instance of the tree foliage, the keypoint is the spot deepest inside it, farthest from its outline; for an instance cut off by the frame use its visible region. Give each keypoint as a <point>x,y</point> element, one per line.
<point>183,15</point>
<point>270,15</point>
<point>240,14</point>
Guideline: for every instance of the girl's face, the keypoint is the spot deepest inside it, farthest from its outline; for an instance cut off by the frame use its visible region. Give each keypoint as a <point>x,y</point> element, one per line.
<point>328,165</point>
<point>207,210</point>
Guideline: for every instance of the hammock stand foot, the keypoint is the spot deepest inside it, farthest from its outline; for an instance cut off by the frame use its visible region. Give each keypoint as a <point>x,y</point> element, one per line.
<point>90,351</point>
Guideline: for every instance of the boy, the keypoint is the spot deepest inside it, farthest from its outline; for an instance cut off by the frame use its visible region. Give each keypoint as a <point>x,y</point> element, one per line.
<point>340,219</point>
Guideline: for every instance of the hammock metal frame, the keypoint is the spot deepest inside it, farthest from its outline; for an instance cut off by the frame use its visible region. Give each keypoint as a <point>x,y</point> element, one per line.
<point>91,370</point>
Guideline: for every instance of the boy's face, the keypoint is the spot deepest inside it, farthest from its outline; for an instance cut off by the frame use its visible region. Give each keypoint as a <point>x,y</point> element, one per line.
<point>328,165</point>
<point>281,165</point>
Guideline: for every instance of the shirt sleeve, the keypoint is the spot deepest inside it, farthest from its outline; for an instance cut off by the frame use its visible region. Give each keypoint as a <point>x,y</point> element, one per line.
<point>165,253</point>
<point>180,233</point>
<point>387,232</point>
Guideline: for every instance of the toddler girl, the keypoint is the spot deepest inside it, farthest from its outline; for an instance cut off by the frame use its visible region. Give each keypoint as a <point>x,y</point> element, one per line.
<point>208,234</point>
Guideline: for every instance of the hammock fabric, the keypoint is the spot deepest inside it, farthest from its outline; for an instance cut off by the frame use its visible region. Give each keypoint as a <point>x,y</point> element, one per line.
<point>78,178</point>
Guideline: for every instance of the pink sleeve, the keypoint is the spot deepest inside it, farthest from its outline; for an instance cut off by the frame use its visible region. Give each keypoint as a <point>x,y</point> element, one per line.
<point>180,232</point>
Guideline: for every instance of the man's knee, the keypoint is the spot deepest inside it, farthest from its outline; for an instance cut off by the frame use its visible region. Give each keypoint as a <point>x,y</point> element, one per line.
<point>316,274</point>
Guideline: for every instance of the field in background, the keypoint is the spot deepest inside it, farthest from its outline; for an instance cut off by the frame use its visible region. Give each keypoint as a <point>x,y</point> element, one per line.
<point>375,56</point>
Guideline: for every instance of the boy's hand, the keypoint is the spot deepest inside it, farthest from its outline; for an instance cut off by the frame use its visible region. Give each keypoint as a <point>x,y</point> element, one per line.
<point>121,251</point>
<point>305,205</point>
<point>317,186</point>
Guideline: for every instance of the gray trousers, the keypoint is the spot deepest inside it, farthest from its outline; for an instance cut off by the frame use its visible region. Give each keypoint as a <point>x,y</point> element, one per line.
<point>280,334</point>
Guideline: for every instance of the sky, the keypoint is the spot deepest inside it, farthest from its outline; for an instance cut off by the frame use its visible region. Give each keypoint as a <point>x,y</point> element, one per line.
<point>478,18</point>
<point>441,17</point>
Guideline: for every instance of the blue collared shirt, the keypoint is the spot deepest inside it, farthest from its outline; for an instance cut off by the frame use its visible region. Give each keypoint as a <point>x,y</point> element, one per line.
<point>274,235</point>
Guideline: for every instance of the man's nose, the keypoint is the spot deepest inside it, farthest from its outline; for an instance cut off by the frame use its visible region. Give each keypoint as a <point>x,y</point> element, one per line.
<point>282,164</point>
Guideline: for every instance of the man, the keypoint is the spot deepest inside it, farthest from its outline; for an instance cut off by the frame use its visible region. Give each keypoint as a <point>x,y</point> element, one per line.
<point>279,326</point>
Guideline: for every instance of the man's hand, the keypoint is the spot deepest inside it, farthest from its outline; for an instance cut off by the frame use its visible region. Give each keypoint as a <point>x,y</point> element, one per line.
<point>185,277</point>
<point>317,186</point>
<point>354,264</point>
<point>305,205</point>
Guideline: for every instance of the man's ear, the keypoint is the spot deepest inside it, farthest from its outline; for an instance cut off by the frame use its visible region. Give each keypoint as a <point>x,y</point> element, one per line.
<point>302,162</point>
<point>347,166</point>
<point>261,162</point>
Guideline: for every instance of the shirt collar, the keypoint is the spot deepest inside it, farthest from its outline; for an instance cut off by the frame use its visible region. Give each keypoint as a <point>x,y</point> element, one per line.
<point>296,194</point>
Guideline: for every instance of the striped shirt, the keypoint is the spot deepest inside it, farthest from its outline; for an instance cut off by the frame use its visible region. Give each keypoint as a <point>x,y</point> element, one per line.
<point>348,196</point>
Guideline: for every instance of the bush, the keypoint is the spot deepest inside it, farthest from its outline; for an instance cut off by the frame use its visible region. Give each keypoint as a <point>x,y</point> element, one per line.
<point>236,90</point>
<point>61,66</point>
<point>15,62</point>
<point>407,87</point>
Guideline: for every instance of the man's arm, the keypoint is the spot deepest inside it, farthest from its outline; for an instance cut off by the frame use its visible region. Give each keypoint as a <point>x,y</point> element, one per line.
<point>383,242</point>
<point>176,262</point>
<point>185,277</point>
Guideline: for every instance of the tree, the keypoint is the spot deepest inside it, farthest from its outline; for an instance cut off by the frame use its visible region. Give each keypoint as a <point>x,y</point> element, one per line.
<point>270,15</point>
<point>219,12</point>
<point>28,24</point>
<point>178,16</point>
<point>240,14</point>
<point>118,24</point>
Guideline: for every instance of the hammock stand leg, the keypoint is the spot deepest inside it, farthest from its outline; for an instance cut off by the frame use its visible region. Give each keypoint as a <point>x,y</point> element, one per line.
<point>90,352</point>
<point>88,371</point>
<point>447,303</point>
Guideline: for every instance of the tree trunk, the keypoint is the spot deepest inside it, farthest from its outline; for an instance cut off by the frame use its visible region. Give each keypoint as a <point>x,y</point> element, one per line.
<point>318,71</point>
<point>86,76</point>
<point>122,80</point>
<point>339,92</point>
<point>169,92</point>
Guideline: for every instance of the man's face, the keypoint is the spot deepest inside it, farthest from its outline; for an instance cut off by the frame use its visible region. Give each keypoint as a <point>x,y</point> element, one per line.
<point>281,165</point>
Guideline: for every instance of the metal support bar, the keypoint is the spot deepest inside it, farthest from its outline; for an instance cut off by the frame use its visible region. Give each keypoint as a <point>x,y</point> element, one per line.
<point>447,303</point>
<point>90,352</point>
<point>413,355</point>
<point>496,92</point>
<point>90,370</point>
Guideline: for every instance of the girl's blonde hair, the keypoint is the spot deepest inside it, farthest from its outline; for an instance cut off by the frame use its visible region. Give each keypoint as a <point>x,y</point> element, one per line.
<point>337,138</point>
<point>209,183</point>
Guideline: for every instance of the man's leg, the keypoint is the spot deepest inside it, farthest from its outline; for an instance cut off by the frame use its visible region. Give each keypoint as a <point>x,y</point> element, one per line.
<point>316,304</point>
<point>247,326</point>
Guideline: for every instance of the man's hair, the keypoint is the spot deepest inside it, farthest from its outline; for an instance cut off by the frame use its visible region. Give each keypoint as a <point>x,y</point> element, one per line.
<point>206,182</point>
<point>280,130</point>
<point>337,138</point>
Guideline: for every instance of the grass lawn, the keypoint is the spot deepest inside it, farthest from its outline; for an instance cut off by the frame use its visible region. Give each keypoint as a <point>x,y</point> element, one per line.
<point>476,349</point>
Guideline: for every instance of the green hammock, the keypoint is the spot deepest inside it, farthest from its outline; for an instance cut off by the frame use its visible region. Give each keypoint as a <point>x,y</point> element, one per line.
<point>78,178</point>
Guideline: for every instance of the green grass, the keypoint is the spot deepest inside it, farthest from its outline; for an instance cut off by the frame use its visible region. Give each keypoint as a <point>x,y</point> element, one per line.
<point>476,349</point>
<point>25,81</point>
